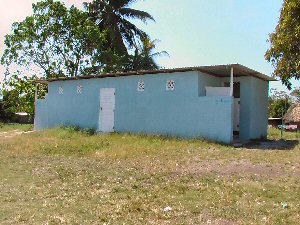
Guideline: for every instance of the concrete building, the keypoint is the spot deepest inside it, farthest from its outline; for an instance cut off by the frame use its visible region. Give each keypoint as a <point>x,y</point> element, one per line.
<point>213,102</point>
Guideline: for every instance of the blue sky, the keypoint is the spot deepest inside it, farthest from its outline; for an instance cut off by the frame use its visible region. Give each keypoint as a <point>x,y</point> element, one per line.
<point>201,32</point>
<point>194,32</point>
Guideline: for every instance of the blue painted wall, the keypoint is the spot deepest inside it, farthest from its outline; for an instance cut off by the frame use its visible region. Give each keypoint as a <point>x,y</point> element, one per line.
<point>41,114</point>
<point>259,110</point>
<point>253,107</point>
<point>206,80</point>
<point>184,112</point>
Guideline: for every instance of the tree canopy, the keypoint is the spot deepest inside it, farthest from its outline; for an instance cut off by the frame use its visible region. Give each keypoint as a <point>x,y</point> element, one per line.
<point>296,94</point>
<point>279,103</point>
<point>143,57</point>
<point>57,40</point>
<point>60,41</point>
<point>284,52</point>
<point>114,16</point>
<point>19,94</point>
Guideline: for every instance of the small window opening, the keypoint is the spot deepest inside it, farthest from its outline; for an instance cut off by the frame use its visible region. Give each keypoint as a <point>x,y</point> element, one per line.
<point>60,90</point>
<point>79,89</point>
<point>170,85</point>
<point>141,86</point>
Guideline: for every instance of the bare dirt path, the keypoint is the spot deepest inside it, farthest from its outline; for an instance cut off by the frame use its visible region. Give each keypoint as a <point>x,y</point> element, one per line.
<point>13,133</point>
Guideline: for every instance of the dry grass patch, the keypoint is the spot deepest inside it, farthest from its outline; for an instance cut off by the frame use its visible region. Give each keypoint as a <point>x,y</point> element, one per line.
<point>61,176</point>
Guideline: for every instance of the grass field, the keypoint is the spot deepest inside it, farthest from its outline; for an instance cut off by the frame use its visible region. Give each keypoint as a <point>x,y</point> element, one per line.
<point>62,176</point>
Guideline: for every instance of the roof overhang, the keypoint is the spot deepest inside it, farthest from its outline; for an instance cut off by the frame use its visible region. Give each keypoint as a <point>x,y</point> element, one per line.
<point>239,71</point>
<point>217,70</point>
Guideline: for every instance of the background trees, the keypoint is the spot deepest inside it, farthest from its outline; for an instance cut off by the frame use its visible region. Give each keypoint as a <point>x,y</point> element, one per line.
<point>18,96</point>
<point>55,40</point>
<point>284,52</point>
<point>59,41</point>
<point>114,17</point>
<point>143,57</point>
<point>296,95</point>
<point>279,103</point>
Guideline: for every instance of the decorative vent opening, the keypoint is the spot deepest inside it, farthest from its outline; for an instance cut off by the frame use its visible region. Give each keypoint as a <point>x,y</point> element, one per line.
<point>141,86</point>
<point>170,85</point>
<point>79,89</point>
<point>60,90</point>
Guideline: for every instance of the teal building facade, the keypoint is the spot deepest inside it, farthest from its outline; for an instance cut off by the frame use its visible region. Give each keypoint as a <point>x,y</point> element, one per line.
<point>218,103</point>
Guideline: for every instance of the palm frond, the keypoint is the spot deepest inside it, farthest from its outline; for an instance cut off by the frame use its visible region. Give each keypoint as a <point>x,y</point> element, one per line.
<point>133,28</point>
<point>135,14</point>
<point>112,16</point>
<point>162,53</point>
<point>117,4</point>
<point>127,37</point>
<point>132,33</point>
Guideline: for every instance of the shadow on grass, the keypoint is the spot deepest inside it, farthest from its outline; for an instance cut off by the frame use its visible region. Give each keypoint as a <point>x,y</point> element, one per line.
<point>272,144</point>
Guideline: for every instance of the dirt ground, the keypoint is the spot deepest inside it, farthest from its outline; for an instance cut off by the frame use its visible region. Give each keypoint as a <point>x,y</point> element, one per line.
<point>13,133</point>
<point>61,176</point>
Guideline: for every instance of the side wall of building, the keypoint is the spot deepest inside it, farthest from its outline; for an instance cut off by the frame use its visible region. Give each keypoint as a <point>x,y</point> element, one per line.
<point>183,112</point>
<point>253,107</point>
<point>41,114</point>
<point>259,109</point>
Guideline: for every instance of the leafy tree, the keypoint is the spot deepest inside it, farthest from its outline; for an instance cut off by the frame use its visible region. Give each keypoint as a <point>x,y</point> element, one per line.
<point>296,94</point>
<point>278,107</point>
<point>113,16</point>
<point>57,40</point>
<point>61,41</point>
<point>143,58</point>
<point>18,94</point>
<point>284,52</point>
<point>3,115</point>
<point>279,103</point>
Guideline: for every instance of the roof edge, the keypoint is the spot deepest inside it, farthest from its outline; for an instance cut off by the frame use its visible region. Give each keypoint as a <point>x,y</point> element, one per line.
<point>246,70</point>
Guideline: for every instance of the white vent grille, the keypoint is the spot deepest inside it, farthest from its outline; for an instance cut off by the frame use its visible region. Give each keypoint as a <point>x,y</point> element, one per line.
<point>170,85</point>
<point>60,90</point>
<point>141,86</point>
<point>79,89</point>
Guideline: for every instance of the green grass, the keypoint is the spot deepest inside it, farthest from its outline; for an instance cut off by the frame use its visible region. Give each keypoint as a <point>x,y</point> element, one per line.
<point>274,133</point>
<point>15,126</point>
<point>63,176</point>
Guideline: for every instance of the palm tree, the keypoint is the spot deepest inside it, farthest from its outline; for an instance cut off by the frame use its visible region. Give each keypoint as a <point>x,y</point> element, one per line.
<point>143,58</point>
<point>112,16</point>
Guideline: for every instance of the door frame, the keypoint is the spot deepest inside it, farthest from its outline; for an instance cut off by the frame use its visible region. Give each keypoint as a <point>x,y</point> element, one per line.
<point>236,105</point>
<point>111,109</point>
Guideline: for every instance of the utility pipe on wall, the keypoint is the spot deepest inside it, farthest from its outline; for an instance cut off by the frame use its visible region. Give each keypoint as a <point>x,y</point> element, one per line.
<point>231,82</point>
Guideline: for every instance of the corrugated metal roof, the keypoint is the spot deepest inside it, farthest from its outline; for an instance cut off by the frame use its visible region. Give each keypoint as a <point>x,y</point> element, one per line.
<point>215,70</point>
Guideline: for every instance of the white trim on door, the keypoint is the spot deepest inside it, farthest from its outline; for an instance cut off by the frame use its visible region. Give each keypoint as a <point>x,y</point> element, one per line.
<point>107,110</point>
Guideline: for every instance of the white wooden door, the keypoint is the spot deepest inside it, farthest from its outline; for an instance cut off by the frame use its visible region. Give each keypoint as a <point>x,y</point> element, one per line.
<point>107,110</point>
<point>236,119</point>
